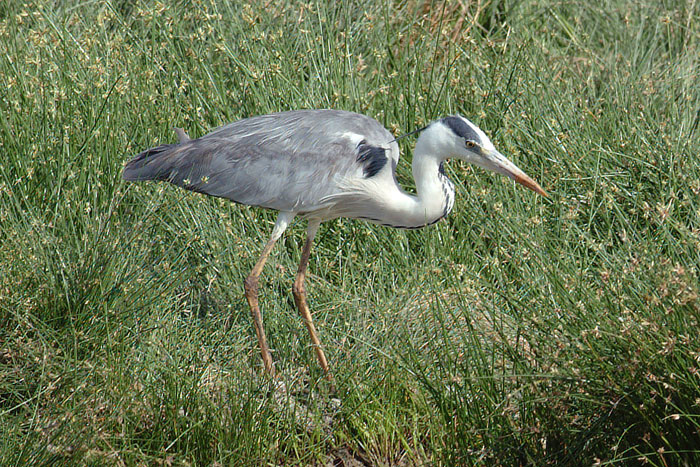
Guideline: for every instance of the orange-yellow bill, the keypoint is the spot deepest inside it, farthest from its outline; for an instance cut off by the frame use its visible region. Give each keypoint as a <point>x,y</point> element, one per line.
<point>497,162</point>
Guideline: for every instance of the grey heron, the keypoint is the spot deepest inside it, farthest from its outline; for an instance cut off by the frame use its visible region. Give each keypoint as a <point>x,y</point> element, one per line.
<point>321,165</point>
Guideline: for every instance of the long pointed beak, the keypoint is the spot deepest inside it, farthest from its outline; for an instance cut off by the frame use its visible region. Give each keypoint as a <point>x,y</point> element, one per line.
<point>497,162</point>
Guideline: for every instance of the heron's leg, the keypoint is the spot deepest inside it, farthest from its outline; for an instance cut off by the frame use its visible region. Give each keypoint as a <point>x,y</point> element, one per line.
<point>251,288</point>
<point>300,295</point>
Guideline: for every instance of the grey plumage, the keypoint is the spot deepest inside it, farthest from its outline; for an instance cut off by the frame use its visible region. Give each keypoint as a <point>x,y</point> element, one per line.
<point>285,161</point>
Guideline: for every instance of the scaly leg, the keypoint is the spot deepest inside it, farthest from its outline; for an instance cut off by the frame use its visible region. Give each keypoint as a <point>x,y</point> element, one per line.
<point>300,295</point>
<point>251,288</point>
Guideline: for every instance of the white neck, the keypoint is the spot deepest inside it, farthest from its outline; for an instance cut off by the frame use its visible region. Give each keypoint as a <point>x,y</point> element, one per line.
<point>434,191</point>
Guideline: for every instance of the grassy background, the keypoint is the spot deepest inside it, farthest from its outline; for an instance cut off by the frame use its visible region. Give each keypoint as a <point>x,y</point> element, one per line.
<point>519,331</point>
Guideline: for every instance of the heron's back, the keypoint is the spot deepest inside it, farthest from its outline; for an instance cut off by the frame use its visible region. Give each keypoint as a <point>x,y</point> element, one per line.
<point>289,161</point>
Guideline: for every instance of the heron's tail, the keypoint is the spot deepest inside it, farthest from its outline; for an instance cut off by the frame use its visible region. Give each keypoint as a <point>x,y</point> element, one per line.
<point>151,164</point>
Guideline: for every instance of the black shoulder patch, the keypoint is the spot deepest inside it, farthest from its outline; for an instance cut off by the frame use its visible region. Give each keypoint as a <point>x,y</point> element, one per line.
<point>373,158</point>
<point>460,128</point>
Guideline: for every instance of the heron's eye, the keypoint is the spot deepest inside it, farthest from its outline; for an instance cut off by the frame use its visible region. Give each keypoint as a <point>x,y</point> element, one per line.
<point>470,144</point>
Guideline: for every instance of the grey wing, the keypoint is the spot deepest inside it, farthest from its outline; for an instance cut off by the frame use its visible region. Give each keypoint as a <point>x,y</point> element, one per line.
<point>287,161</point>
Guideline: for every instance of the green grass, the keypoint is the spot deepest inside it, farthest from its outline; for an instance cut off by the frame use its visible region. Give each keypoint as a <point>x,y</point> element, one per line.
<point>520,331</point>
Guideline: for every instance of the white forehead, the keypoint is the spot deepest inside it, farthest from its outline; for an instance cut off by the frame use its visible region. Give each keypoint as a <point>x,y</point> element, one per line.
<point>463,128</point>
<point>484,140</point>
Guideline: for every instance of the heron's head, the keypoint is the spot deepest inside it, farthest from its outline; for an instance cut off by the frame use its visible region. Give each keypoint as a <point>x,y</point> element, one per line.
<point>455,136</point>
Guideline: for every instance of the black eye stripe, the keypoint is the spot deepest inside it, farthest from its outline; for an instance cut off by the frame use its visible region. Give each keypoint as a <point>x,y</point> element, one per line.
<point>460,128</point>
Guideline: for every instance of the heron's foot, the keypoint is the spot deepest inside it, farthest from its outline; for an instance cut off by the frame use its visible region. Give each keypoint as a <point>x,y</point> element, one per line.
<point>295,392</point>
